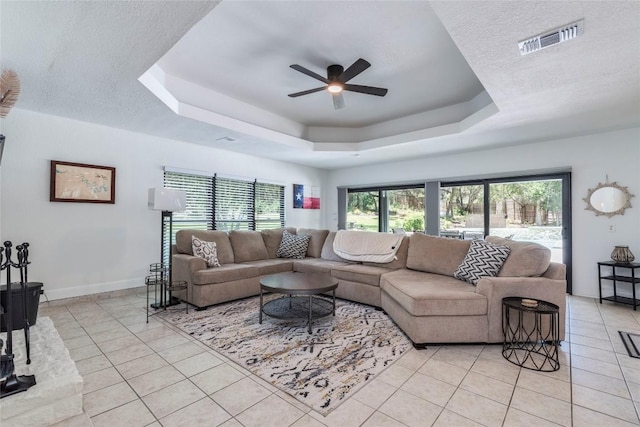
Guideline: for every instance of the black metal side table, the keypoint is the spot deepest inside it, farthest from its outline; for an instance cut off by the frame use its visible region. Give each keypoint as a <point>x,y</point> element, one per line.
<point>531,334</point>
<point>628,275</point>
<point>178,285</point>
<point>159,278</point>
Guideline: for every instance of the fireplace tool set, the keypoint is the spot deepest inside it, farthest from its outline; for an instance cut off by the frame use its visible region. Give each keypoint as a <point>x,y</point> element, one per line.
<point>10,382</point>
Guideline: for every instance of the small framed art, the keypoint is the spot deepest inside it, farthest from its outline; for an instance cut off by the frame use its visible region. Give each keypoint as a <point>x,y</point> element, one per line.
<point>306,196</point>
<point>79,182</point>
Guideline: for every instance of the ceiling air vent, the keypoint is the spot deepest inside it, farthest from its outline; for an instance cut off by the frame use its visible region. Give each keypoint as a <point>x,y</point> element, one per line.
<point>550,38</point>
<point>225,139</point>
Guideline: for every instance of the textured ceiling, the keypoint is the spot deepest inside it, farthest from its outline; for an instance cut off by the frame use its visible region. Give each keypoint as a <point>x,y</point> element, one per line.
<point>83,59</point>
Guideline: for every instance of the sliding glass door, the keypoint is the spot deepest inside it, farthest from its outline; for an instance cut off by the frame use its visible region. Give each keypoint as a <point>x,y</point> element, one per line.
<point>405,210</point>
<point>462,211</point>
<point>527,209</point>
<point>399,209</point>
<point>534,208</point>
<point>363,210</point>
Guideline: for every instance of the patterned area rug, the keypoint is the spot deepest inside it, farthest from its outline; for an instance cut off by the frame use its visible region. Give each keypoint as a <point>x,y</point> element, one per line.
<point>320,369</point>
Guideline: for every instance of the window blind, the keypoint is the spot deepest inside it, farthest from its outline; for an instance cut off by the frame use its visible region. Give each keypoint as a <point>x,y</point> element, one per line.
<point>219,203</point>
<point>269,209</point>
<point>233,204</point>
<point>199,206</point>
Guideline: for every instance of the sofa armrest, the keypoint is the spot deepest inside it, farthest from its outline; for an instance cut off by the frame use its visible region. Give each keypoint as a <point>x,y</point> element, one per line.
<point>556,271</point>
<point>496,288</point>
<point>184,266</point>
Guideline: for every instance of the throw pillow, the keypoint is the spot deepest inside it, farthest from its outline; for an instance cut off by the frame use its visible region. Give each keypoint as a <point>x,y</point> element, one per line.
<point>293,245</point>
<point>205,250</point>
<point>484,259</point>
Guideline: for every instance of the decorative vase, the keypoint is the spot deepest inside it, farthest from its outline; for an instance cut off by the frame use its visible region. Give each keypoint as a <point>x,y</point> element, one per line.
<point>622,254</point>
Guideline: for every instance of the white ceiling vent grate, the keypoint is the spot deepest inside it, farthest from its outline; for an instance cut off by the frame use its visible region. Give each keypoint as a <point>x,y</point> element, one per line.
<point>226,139</point>
<point>550,38</point>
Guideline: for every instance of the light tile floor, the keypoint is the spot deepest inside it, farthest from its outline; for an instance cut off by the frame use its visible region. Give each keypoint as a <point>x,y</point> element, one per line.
<point>139,374</point>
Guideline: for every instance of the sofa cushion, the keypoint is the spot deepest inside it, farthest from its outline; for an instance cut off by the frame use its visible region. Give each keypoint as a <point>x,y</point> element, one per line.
<point>427,294</point>
<point>401,257</point>
<point>272,266</point>
<point>293,246</point>
<point>223,245</point>
<point>317,238</point>
<point>484,259</point>
<point>272,239</point>
<point>225,273</point>
<point>527,259</point>
<point>360,273</point>
<point>316,265</point>
<point>433,254</point>
<point>247,245</point>
<point>205,250</point>
<point>327,249</point>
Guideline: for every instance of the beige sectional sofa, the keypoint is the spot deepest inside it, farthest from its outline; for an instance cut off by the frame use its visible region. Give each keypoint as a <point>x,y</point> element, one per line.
<point>417,289</point>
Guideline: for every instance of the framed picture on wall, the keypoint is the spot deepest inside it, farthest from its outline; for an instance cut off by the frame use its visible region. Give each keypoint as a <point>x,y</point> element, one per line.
<point>306,196</point>
<point>79,182</point>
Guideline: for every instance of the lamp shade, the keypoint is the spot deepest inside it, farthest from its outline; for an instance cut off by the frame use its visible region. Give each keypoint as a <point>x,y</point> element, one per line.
<point>166,199</point>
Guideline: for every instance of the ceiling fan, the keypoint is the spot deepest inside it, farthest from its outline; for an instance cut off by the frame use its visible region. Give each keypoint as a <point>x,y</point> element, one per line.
<point>336,81</point>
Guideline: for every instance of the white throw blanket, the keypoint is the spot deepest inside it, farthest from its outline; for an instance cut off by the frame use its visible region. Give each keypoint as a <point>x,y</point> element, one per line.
<point>367,247</point>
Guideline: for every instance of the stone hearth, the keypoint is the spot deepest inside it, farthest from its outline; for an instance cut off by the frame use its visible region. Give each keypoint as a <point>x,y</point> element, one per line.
<point>57,394</point>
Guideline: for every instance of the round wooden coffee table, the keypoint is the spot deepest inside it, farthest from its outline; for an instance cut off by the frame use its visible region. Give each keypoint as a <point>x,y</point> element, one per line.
<point>303,300</point>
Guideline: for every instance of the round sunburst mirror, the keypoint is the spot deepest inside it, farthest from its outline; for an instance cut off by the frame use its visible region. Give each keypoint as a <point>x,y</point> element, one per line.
<point>608,199</point>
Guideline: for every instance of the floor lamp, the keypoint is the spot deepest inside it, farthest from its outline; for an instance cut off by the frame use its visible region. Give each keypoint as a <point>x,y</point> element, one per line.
<point>168,201</point>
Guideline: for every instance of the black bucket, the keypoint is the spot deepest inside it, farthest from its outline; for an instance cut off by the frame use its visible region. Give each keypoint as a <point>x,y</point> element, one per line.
<point>17,311</point>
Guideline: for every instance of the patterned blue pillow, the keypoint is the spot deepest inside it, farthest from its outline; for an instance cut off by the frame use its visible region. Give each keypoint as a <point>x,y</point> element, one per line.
<point>293,245</point>
<point>484,259</point>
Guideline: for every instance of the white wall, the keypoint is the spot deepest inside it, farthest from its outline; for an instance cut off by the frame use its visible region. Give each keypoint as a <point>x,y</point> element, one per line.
<point>80,249</point>
<point>590,158</point>
<point>84,248</point>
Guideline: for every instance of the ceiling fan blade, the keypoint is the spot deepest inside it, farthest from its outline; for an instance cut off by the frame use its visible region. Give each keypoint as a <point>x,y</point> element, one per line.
<point>307,92</point>
<point>338,100</point>
<point>309,73</point>
<point>369,90</point>
<point>356,68</point>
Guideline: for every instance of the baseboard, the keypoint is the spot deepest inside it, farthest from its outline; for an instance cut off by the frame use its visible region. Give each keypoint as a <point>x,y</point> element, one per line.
<point>91,289</point>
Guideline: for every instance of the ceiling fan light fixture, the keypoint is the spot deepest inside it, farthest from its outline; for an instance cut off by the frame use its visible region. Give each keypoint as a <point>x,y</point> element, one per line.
<point>337,81</point>
<point>335,88</point>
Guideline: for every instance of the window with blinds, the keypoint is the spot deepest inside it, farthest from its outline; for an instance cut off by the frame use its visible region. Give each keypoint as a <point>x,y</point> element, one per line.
<point>199,207</point>
<point>233,204</point>
<point>269,206</point>
<point>217,203</point>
